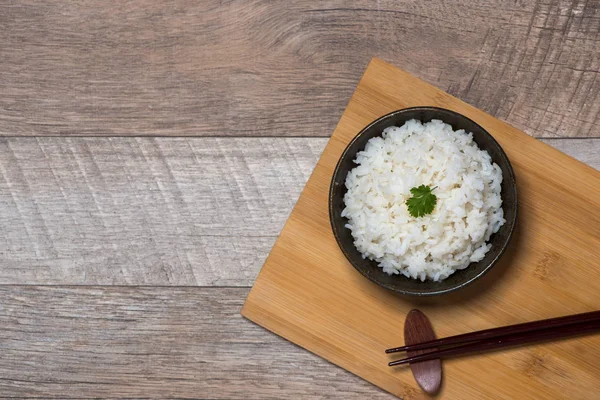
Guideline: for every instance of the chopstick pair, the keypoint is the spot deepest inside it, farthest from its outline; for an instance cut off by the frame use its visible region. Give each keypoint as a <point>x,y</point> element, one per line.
<point>512,335</point>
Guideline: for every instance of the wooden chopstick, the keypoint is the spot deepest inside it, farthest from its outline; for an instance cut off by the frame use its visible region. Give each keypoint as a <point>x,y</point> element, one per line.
<point>498,332</point>
<point>509,340</point>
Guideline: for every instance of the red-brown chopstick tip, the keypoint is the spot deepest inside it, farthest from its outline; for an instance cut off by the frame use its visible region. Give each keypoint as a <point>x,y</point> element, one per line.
<point>395,350</point>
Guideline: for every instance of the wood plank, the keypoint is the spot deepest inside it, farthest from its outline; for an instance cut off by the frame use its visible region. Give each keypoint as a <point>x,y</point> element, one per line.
<point>70,342</point>
<point>308,293</point>
<point>585,150</point>
<point>155,211</point>
<point>145,211</point>
<point>273,68</point>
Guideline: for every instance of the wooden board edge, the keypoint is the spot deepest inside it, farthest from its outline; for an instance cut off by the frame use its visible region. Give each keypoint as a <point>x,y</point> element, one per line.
<point>252,313</point>
<point>373,61</point>
<point>482,114</point>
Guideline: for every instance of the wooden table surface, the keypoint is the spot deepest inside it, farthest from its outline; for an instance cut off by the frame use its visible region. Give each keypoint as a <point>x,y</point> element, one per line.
<point>150,153</point>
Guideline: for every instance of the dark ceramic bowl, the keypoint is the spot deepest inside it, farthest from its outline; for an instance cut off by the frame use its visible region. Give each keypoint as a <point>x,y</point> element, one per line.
<point>399,283</point>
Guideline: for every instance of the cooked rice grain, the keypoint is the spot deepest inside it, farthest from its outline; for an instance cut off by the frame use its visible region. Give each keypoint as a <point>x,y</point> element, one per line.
<point>468,209</point>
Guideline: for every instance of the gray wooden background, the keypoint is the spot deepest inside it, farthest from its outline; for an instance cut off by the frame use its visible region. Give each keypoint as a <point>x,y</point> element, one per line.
<point>150,152</point>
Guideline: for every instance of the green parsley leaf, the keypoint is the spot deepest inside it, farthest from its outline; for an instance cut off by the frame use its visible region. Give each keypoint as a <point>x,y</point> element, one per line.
<point>422,201</point>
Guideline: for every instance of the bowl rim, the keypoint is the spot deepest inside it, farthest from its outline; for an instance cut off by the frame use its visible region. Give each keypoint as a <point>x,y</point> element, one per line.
<point>513,188</point>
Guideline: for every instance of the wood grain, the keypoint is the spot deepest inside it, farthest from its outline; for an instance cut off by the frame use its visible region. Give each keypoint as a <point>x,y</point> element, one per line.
<point>119,211</point>
<point>308,293</point>
<point>584,150</point>
<point>145,211</point>
<point>61,342</point>
<point>154,211</point>
<point>278,69</point>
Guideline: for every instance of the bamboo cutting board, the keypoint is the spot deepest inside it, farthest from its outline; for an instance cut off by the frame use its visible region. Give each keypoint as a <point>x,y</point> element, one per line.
<point>308,293</point>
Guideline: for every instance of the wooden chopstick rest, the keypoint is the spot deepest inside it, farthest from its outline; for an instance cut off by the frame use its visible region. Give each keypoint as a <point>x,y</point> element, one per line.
<point>417,329</point>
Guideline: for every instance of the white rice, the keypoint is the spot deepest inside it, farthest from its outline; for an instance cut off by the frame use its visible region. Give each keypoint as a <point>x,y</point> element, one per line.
<point>468,209</point>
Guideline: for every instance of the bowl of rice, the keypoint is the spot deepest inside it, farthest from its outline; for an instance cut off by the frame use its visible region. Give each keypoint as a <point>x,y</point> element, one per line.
<point>423,201</point>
